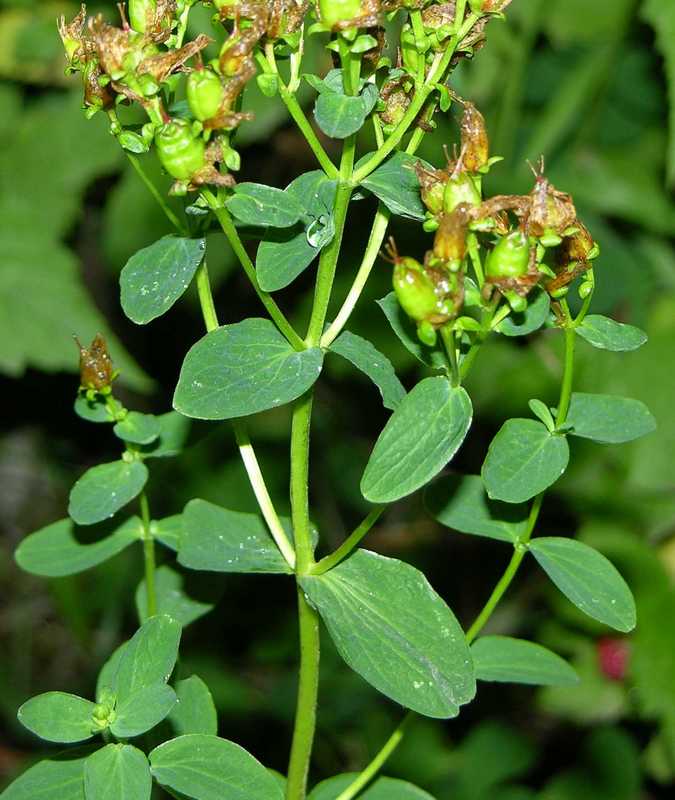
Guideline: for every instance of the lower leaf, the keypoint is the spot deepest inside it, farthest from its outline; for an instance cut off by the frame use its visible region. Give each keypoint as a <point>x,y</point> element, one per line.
<point>117,772</point>
<point>503,659</point>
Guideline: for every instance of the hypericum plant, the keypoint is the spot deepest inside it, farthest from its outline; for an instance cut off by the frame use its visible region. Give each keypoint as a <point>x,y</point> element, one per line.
<point>499,266</point>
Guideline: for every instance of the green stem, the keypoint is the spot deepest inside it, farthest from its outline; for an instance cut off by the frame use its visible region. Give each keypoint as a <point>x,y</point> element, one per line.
<point>349,543</point>
<point>568,377</point>
<point>230,231</point>
<point>448,336</point>
<point>154,191</point>
<point>148,556</point>
<point>206,297</point>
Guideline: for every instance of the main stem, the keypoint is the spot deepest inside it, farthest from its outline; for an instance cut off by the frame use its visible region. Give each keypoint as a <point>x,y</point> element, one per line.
<point>148,557</point>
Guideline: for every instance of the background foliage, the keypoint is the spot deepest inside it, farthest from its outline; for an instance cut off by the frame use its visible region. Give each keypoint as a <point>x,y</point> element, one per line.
<point>586,84</point>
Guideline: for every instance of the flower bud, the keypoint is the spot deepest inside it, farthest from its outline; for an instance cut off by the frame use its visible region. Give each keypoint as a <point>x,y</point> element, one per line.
<point>180,151</point>
<point>96,367</point>
<point>205,94</point>
<point>460,189</point>
<point>414,289</point>
<point>510,257</point>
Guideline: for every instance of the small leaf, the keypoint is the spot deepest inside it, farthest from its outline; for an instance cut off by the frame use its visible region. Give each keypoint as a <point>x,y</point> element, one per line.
<point>395,183</point>
<point>543,413</point>
<point>92,410</point>
<point>106,676</point>
<point>172,599</point>
<point>524,458</point>
<point>221,540</point>
<point>530,320</point>
<point>505,660</point>
<point>208,768</point>
<point>380,789</point>
<point>148,658</point>
<point>58,717</point>
<point>117,772</point>
<point>56,778</point>
<point>368,359</point>
<point>143,710</point>
<point>137,428</point>
<point>405,329</point>
<point>282,256</point>
<point>168,531</point>
<point>420,438</point>
<point>314,191</point>
<point>241,369</point>
<point>104,489</point>
<point>587,579</point>
<point>340,115</point>
<point>393,629</point>
<point>173,432</point>
<point>607,334</point>
<point>56,550</point>
<point>195,711</point>
<point>460,503</point>
<point>157,276</point>
<point>609,419</point>
<point>260,205</point>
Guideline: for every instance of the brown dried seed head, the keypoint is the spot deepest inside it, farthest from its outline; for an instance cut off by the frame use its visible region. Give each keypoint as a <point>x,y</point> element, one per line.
<point>96,367</point>
<point>475,143</point>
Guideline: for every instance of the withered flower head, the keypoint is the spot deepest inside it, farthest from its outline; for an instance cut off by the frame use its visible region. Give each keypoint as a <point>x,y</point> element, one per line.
<point>74,39</point>
<point>475,147</point>
<point>96,367</point>
<point>551,211</point>
<point>114,45</point>
<point>432,186</point>
<point>450,239</point>
<point>162,65</point>
<point>439,15</point>
<point>286,17</point>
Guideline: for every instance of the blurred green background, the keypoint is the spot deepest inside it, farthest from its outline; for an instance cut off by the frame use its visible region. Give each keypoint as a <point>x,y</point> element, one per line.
<point>583,82</point>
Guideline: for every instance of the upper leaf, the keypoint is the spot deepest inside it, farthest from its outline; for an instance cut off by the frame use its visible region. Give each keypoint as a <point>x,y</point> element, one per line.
<point>104,489</point>
<point>422,435</point>
<point>195,711</point>
<point>157,276</point>
<point>58,717</point>
<point>405,329</point>
<point>395,183</point>
<point>55,551</point>
<point>241,369</point>
<point>340,115</point>
<point>205,767</point>
<point>260,205</point>
<point>524,458</point>
<point>530,320</point>
<point>506,660</point>
<point>172,599</point>
<point>393,629</point>
<point>607,334</point>
<point>588,579</point>
<point>380,789</point>
<point>117,772</point>
<point>173,432</point>
<point>282,256</point>
<point>57,777</point>
<point>143,710</point>
<point>609,419</point>
<point>367,358</point>
<point>138,428</point>
<point>460,502</point>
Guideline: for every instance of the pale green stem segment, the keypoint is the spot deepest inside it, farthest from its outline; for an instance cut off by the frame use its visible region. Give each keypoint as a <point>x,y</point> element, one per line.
<point>450,344</point>
<point>206,297</point>
<point>349,543</point>
<point>148,556</point>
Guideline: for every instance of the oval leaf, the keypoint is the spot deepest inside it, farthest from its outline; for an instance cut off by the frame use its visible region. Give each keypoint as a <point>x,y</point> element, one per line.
<point>607,334</point>
<point>339,115</point>
<point>104,489</point>
<point>57,550</point>
<point>530,320</point>
<point>380,789</point>
<point>173,433</point>
<point>395,183</point>
<point>422,435</point>
<point>260,205</point>
<point>171,597</point>
<point>195,711</point>
<point>92,410</point>
<point>282,256</point>
<point>587,579</point>
<point>137,428</point>
<point>58,777</point>
<point>241,369</point>
<point>609,419</point>
<point>460,502</point>
<point>405,330</point>
<point>368,359</point>
<point>157,276</point>
<point>205,767</point>
<point>142,710</point>
<point>524,458</point>
<point>393,629</point>
<point>168,531</point>
<point>117,772</point>
<point>502,659</point>
<point>58,717</point>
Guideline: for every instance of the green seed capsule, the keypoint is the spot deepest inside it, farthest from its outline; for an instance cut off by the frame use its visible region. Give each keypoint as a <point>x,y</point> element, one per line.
<point>140,13</point>
<point>461,189</point>
<point>337,12</point>
<point>414,289</point>
<point>180,151</point>
<point>509,258</point>
<point>205,94</point>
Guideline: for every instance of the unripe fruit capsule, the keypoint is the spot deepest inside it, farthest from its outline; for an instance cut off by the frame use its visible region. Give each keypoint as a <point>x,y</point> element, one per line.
<point>180,152</point>
<point>140,11</point>
<point>461,189</point>
<point>336,12</point>
<point>205,94</point>
<point>414,289</point>
<point>510,257</point>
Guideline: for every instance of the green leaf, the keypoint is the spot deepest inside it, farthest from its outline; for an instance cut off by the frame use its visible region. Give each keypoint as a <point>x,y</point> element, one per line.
<point>241,369</point>
<point>58,717</point>
<point>259,205</point>
<point>173,432</point>
<point>405,329</point>
<point>195,711</point>
<point>92,411</point>
<point>393,629</point>
<point>117,772</point>
<point>157,276</point>
<point>609,419</point>
<point>104,489</point>
<point>460,503</point>
<point>340,115</point>
<point>172,599</point>
<point>395,183</point>
<point>57,778</point>
<point>607,334</point>
<point>56,550</point>
<point>530,320</point>
<point>422,435</point>
<point>168,531</point>
<point>314,191</point>
<point>380,789</point>
<point>137,428</point>
<point>587,579</point>
<point>208,768</point>
<point>106,676</point>
<point>282,256</point>
<point>221,540</point>
<point>148,657</point>
<point>143,710</point>
<point>503,659</point>
<point>368,359</point>
<point>524,458</point>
